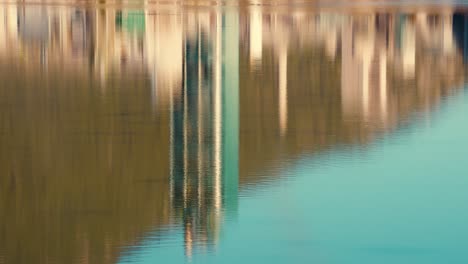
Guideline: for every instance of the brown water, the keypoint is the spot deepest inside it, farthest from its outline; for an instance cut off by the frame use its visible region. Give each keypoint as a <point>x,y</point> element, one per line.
<point>123,123</point>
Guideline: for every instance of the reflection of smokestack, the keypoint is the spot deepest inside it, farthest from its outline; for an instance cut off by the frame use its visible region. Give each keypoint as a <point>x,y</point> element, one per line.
<point>217,114</point>
<point>283,89</point>
<point>256,31</point>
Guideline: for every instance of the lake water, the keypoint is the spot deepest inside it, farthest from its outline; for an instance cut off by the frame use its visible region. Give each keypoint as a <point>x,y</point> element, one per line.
<point>209,132</point>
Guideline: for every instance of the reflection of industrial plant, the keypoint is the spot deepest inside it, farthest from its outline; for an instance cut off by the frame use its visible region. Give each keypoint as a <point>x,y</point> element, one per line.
<point>200,99</point>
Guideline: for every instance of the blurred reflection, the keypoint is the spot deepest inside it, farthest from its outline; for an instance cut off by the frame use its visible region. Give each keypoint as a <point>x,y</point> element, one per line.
<point>116,123</point>
<point>349,78</point>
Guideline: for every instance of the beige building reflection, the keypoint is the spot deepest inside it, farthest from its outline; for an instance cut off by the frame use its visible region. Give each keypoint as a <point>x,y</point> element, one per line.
<point>374,50</point>
<point>348,76</point>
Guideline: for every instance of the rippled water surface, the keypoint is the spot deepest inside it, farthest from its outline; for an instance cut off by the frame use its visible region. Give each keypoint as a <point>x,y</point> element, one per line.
<point>242,133</point>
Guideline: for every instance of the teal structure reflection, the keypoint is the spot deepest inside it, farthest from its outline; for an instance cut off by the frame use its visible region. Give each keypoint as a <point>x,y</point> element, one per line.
<point>205,135</point>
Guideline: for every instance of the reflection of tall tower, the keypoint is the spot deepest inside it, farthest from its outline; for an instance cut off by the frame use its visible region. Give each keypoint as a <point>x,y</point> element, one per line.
<point>283,89</point>
<point>280,37</point>
<point>205,131</point>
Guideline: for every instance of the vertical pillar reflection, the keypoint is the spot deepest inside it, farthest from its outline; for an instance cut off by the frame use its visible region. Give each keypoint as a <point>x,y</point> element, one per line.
<point>204,127</point>
<point>231,111</point>
<point>283,89</point>
<point>256,34</point>
<point>217,111</point>
<point>408,45</point>
<point>383,84</point>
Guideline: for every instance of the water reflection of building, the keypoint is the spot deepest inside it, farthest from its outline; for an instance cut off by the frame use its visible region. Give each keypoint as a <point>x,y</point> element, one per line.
<point>373,46</point>
<point>374,49</point>
<point>309,75</point>
<point>114,41</point>
<point>380,67</point>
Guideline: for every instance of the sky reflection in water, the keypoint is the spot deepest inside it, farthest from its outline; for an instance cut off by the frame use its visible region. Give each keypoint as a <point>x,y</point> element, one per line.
<point>249,134</point>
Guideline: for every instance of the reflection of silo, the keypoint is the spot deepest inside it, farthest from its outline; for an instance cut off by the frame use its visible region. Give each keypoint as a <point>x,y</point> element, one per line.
<point>33,23</point>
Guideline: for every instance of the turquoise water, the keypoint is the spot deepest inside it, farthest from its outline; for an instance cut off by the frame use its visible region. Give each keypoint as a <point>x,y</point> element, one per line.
<point>402,200</point>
